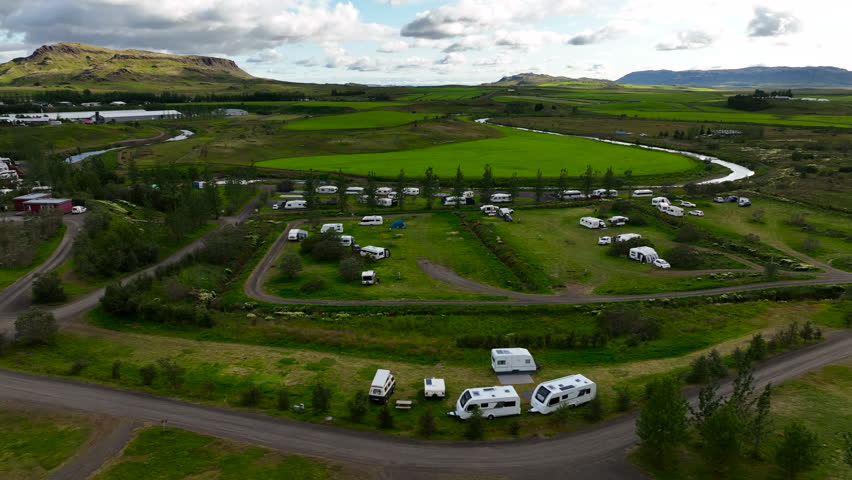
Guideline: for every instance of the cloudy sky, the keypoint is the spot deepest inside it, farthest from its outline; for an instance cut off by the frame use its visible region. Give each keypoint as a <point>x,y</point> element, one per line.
<point>442,42</point>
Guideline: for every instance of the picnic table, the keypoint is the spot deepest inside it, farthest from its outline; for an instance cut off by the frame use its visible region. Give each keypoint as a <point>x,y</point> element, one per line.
<point>404,404</point>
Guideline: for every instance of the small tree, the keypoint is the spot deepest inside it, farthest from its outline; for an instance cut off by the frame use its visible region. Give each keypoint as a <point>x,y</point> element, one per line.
<point>717,365</point>
<point>595,410</point>
<point>342,183</point>
<point>708,402</point>
<point>587,179</point>
<point>758,216</point>
<point>475,425</point>
<point>770,271</point>
<point>799,450</point>
<point>458,186</point>
<point>358,406</point>
<point>539,186</point>
<point>283,399</point>
<point>722,433</point>
<point>148,373</point>
<point>847,448</point>
<point>35,327</point>
<point>514,428</point>
<point>370,191</point>
<point>561,415</point>
<point>385,418</point>
<point>514,186</point>
<point>426,424</point>
<point>757,348</point>
<point>172,371</point>
<point>662,423</point>
<point>760,423</point>
<point>609,180</point>
<point>427,187</point>
<point>4,343</point>
<point>400,187</point>
<point>47,288</point>
<point>623,402</point>
<point>321,398</point>
<point>290,266</point>
<point>810,245</point>
<point>251,396</point>
<point>350,268</point>
<point>486,186</point>
<point>562,183</point>
<point>310,194</point>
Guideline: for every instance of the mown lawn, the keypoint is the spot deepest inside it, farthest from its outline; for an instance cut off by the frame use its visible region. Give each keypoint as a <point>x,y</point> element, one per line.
<point>173,454</point>
<point>34,442</point>
<point>516,152</point>
<point>8,276</point>
<point>371,119</point>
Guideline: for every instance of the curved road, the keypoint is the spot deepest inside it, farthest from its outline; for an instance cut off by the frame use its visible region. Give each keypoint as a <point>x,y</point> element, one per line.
<point>592,453</point>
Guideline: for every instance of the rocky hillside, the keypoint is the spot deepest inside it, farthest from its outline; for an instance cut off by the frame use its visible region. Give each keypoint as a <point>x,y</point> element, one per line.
<point>752,77</point>
<point>530,79</point>
<point>75,63</point>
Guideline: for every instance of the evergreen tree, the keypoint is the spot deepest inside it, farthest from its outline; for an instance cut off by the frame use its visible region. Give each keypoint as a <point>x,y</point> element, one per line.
<point>722,434</point>
<point>760,423</point>
<point>539,186</point>
<point>609,180</point>
<point>427,187</point>
<point>400,187</point>
<point>799,450</point>
<point>562,183</point>
<point>475,425</point>
<point>310,194</point>
<point>662,423</point>
<point>587,180</point>
<point>514,186</point>
<point>358,406</point>
<point>427,426</point>
<point>458,186</point>
<point>342,183</point>
<point>370,191</point>
<point>486,187</point>
<point>385,418</point>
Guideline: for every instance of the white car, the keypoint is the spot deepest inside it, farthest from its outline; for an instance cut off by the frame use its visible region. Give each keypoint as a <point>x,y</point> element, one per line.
<point>719,199</point>
<point>604,240</point>
<point>660,263</point>
<point>684,203</point>
<point>696,213</point>
<point>78,209</point>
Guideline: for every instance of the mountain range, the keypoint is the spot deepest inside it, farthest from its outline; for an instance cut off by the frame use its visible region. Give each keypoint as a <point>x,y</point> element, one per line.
<point>751,77</point>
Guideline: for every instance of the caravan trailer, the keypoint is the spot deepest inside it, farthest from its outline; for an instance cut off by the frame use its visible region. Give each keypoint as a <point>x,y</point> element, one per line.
<point>371,220</point>
<point>509,360</point>
<point>618,221</point>
<point>386,202</point>
<point>670,209</point>
<point>571,195</point>
<point>434,388</point>
<point>643,254</point>
<point>627,236</point>
<point>451,201</point>
<point>383,190</point>
<point>656,201</point>
<point>295,204</point>
<point>592,222</point>
<point>354,190</point>
<point>376,253</point>
<point>326,189</point>
<point>337,227</point>
<point>572,391</point>
<point>500,198</point>
<point>296,235</point>
<point>346,240</point>
<point>382,386</point>
<point>369,277</point>
<point>411,191</point>
<point>642,193</point>
<point>490,210</point>
<point>498,401</point>
<point>743,202</point>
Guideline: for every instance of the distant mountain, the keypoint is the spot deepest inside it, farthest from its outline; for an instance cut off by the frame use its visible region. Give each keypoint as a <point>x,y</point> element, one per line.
<point>530,79</point>
<point>751,77</point>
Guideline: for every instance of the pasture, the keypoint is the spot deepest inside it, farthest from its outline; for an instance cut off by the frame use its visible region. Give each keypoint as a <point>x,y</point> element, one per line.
<point>71,136</point>
<point>366,105</point>
<point>369,119</point>
<point>516,152</point>
<point>421,94</point>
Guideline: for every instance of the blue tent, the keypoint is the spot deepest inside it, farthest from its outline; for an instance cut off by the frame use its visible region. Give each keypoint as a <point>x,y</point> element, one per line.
<point>398,224</point>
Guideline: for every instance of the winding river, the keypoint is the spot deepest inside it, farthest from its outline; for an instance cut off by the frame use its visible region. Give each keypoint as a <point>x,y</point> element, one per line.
<point>738,172</point>
<point>184,134</point>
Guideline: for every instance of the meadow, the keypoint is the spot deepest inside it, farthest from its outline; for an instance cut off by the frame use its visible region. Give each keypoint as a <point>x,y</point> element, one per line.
<point>516,152</point>
<point>72,136</point>
<point>365,105</point>
<point>9,275</point>
<point>369,119</point>
<point>421,94</point>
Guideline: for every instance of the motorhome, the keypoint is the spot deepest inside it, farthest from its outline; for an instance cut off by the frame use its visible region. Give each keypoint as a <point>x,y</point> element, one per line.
<point>383,190</point>
<point>382,386</point>
<point>592,222</point>
<point>571,391</point>
<point>463,201</point>
<point>326,189</point>
<point>618,221</point>
<point>498,401</point>
<point>656,201</point>
<point>347,240</point>
<point>508,360</point>
<point>627,236</point>
<point>490,210</point>
<point>642,193</point>
<point>599,193</point>
<point>376,253</point>
<point>467,194</point>
<point>411,191</point>
<point>296,235</point>
<point>386,202</point>
<point>743,202</point>
<point>337,227</point>
<point>371,220</point>
<point>369,277</point>
<point>434,388</point>
<point>572,195</point>
<point>670,209</point>
<point>643,254</point>
<point>354,190</point>
<point>295,205</point>
<point>500,198</point>
<point>612,193</point>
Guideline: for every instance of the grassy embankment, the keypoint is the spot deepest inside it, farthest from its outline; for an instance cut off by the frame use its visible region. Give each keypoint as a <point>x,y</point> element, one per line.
<point>8,276</point>
<point>72,136</point>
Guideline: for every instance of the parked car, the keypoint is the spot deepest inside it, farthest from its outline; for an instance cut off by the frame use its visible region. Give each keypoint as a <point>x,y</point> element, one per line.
<point>719,199</point>
<point>78,209</point>
<point>696,213</point>
<point>732,198</point>
<point>604,240</point>
<point>684,203</point>
<point>660,263</point>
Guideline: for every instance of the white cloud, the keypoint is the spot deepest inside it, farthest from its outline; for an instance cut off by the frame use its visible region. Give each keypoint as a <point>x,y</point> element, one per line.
<point>453,58</point>
<point>526,39</point>
<point>687,40</point>
<point>473,42</point>
<point>393,46</point>
<point>769,23</point>
<point>607,32</point>
<point>268,55</point>
<point>308,62</point>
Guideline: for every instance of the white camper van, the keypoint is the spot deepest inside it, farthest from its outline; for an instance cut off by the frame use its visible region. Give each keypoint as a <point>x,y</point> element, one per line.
<point>296,235</point>
<point>500,198</point>
<point>670,209</point>
<point>643,254</point>
<point>382,386</point>
<point>618,221</point>
<point>499,401</point>
<point>369,277</point>
<point>571,195</point>
<point>385,202</point>
<point>371,220</point>
<point>508,360</point>
<point>592,222</point>
<point>383,190</point>
<point>337,227</point>
<point>656,201</point>
<point>572,390</point>
<point>327,189</point>
<point>354,190</point>
<point>490,210</point>
<point>411,191</point>
<point>642,193</point>
<point>376,253</point>
<point>347,240</point>
<point>295,205</point>
<point>743,202</point>
<point>627,236</point>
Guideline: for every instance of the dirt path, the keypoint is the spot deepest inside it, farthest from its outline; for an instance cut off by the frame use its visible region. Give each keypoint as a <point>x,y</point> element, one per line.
<point>112,435</point>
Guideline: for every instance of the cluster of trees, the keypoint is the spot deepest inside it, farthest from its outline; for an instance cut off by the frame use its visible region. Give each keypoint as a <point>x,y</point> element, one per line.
<point>325,247</point>
<point>18,240</point>
<point>758,93</point>
<point>108,246</point>
<point>139,98</point>
<point>748,103</point>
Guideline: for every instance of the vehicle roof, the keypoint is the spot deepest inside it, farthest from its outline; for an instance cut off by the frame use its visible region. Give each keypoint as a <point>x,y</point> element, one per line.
<point>644,249</point>
<point>368,273</point>
<point>510,351</point>
<point>373,247</point>
<point>434,382</point>
<point>566,383</point>
<point>591,218</point>
<point>498,391</point>
<point>381,377</point>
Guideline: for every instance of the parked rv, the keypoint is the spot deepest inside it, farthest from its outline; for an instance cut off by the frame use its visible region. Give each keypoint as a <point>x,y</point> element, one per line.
<point>643,254</point>
<point>326,189</point>
<point>434,388</point>
<point>498,401</point>
<point>685,204</point>
<point>369,277</point>
<point>386,202</point>
<point>451,201</point>
<point>354,190</point>
<point>371,220</point>
<point>277,205</point>
<point>618,221</point>
<point>642,193</point>
<point>295,205</point>
<point>572,195</point>
<point>376,253</point>
<point>743,202</point>
<point>500,198</point>
<point>77,209</point>
<point>383,190</point>
<point>592,222</point>
<point>599,193</point>
<point>382,386</point>
<point>347,240</point>
<point>489,210</point>
<point>337,227</point>
<point>506,213</point>
<point>572,391</point>
<point>657,201</point>
<point>508,360</point>
<point>296,235</point>
<point>604,240</point>
<point>467,194</point>
<point>670,209</point>
<point>627,236</point>
<point>411,191</point>
<point>719,199</point>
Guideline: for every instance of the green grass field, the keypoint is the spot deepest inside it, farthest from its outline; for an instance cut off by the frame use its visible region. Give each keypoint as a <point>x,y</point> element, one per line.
<point>9,275</point>
<point>173,454</point>
<point>35,442</point>
<point>516,151</point>
<point>371,119</point>
<point>72,136</point>
<point>422,94</point>
<point>356,105</point>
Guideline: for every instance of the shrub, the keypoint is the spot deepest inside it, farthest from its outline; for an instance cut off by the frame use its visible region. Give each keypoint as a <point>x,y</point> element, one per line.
<point>514,428</point>
<point>595,412</point>
<point>351,268</point>
<point>686,234</point>
<point>4,343</point>
<point>175,291</point>
<point>148,373</point>
<point>35,327</point>
<point>426,424</point>
<point>47,288</point>
<point>638,220</point>
<point>283,399</point>
<point>77,367</point>
<point>561,415</point>
<point>758,216</point>
<point>810,245</point>
<point>290,266</point>
<point>313,285</point>
<point>620,320</point>
<point>475,425</point>
<point>115,373</point>
<point>328,248</point>
<point>385,418</point>
<point>798,451</point>
<point>622,249</point>
<point>321,398</point>
<point>173,372</point>
<point>684,256</point>
<point>752,238</point>
<point>757,347</point>
<point>706,368</point>
<point>623,402</point>
<point>307,245</point>
<point>251,396</point>
<point>358,406</point>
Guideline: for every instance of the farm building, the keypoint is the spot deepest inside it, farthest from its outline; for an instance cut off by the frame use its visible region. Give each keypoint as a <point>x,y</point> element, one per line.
<point>19,202</point>
<point>48,204</point>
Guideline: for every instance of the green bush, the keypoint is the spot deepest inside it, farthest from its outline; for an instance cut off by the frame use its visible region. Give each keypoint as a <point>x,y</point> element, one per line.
<point>290,266</point>
<point>351,268</point>
<point>35,327</point>
<point>313,285</point>
<point>251,396</point>
<point>47,288</point>
<point>148,373</point>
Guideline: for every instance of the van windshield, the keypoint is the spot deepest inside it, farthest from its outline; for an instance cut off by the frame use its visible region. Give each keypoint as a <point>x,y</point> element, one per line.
<point>541,394</point>
<point>464,398</point>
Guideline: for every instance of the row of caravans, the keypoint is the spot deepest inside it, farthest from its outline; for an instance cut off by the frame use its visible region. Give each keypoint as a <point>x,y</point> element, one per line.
<point>663,205</point>
<point>595,223</point>
<point>291,205</point>
<point>329,189</point>
<point>578,195</point>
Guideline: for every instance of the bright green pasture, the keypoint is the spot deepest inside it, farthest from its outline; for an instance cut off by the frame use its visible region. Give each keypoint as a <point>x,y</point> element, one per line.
<point>69,135</point>
<point>440,238</point>
<point>516,151</point>
<point>32,442</point>
<point>355,105</point>
<point>371,119</point>
<point>744,117</point>
<point>444,93</point>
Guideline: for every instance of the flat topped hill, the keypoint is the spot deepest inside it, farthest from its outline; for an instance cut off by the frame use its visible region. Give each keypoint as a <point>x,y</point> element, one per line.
<point>528,79</point>
<point>788,77</point>
<point>76,63</point>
